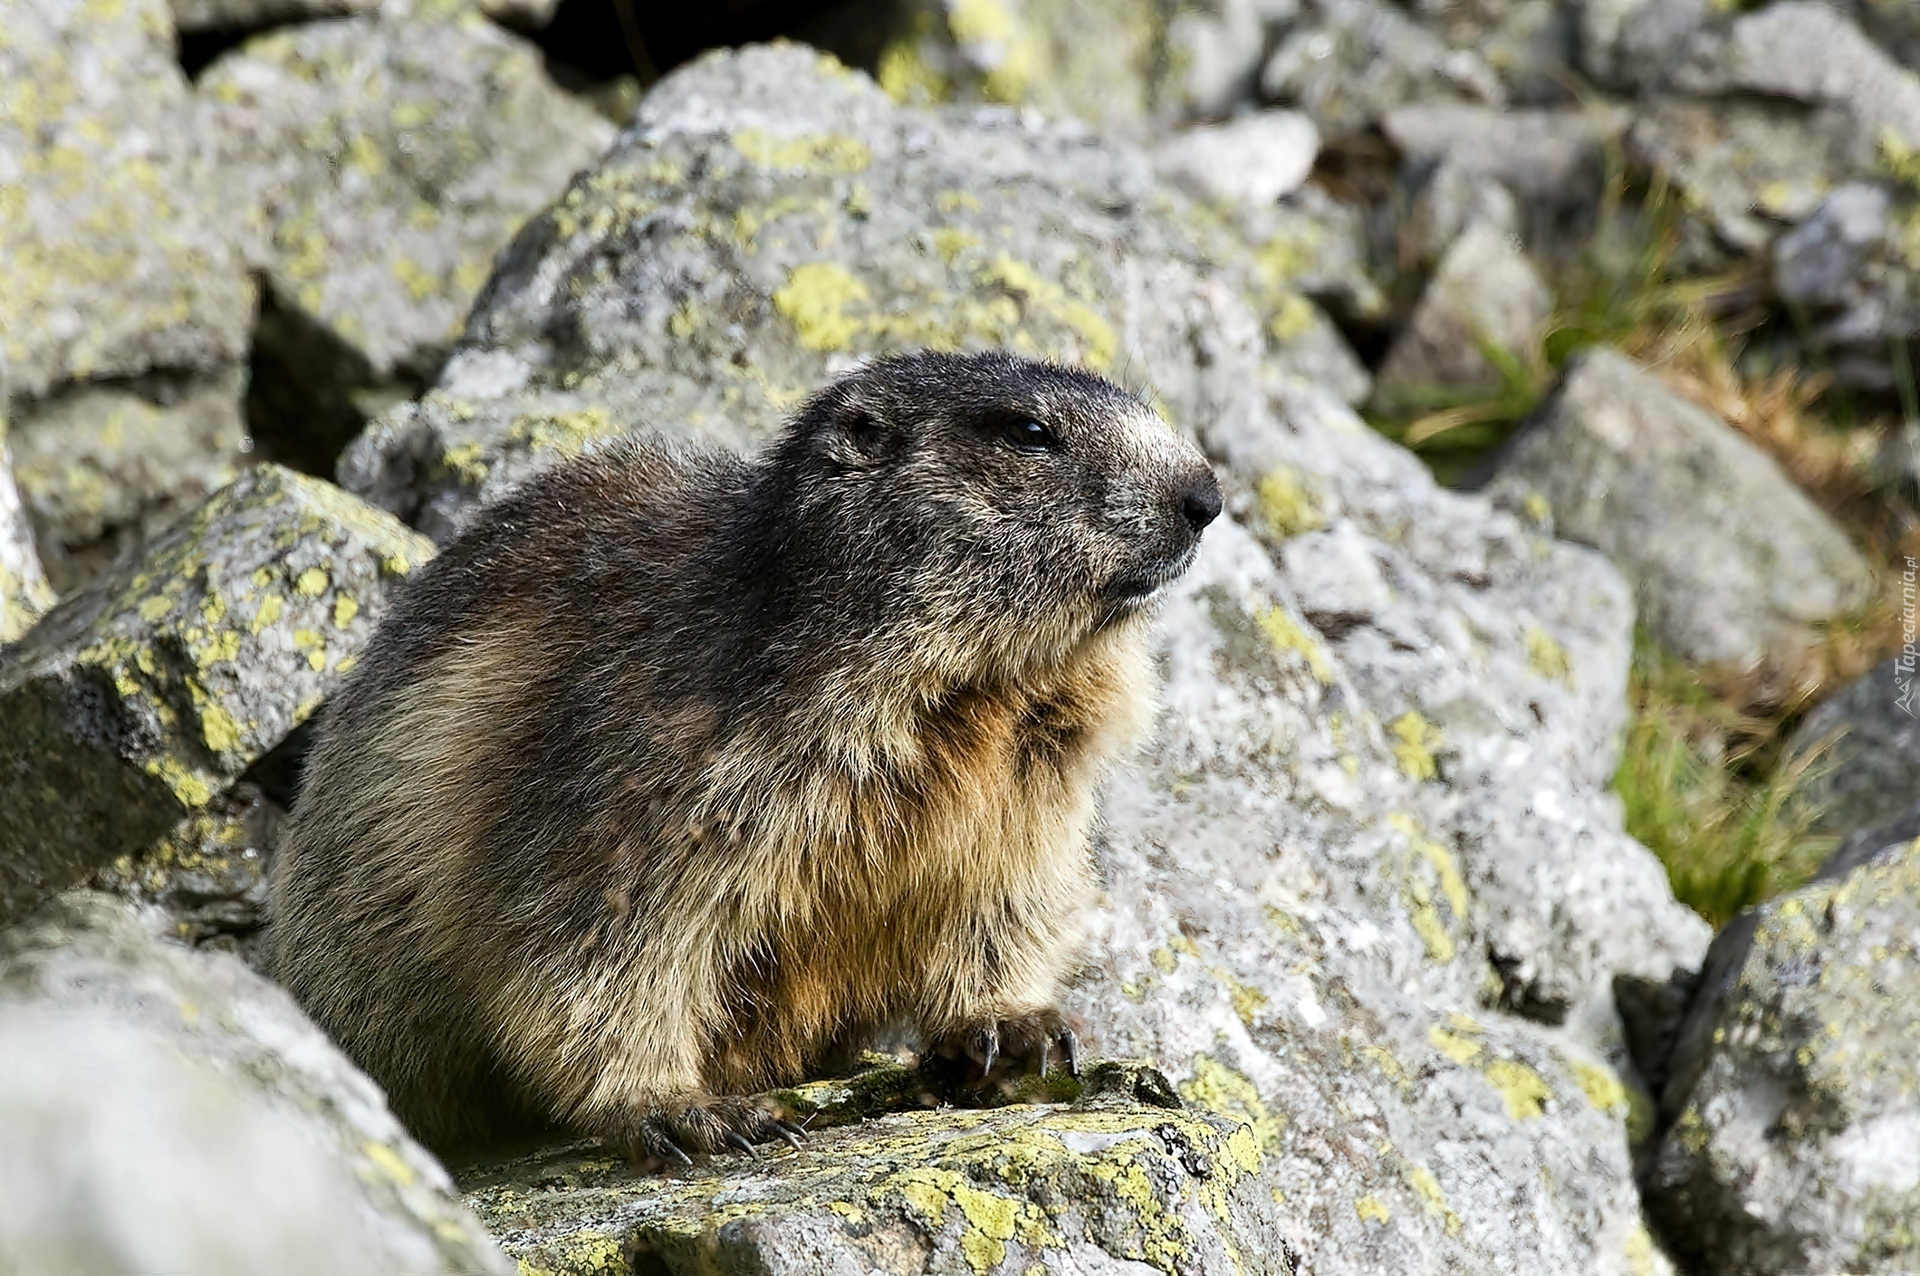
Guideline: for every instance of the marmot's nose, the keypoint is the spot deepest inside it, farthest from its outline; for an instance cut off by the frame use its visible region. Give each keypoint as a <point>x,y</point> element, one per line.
<point>1200,502</point>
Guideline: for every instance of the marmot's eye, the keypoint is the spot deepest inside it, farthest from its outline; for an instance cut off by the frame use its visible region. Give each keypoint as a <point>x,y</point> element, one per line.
<point>1028,435</point>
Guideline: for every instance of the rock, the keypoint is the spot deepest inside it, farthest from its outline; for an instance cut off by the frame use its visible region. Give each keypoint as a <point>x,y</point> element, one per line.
<point>172,1111</point>
<point>133,704</point>
<point>1450,200</point>
<point>24,592</point>
<point>1634,44</point>
<point>1798,1148</point>
<point>208,876</point>
<point>1314,245</point>
<point>1366,890</point>
<point>1869,770</point>
<point>1360,59</point>
<point>1107,1185</point>
<point>1809,52</point>
<point>1893,26</point>
<point>1214,53</point>
<point>1849,270</point>
<point>1668,491</point>
<point>1550,156</point>
<point>102,469</point>
<point>1098,61</point>
<point>255,15</point>
<point>119,227</point>
<point>392,158</point>
<point>1748,168</point>
<point>1254,159</point>
<point>1485,296</point>
<point>735,247</point>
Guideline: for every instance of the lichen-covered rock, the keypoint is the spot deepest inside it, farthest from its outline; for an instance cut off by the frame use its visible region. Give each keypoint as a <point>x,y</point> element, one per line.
<point>208,875</point>
<point>1366,891</point>
<point>1868,738</point>
<point>1798,1149</point>
<point>254,15</point>
<point>392,158</point>
<point>1098,61</point>
<point>24,592</point>
<point>769,216</point>
<point>1107,1186</point>
<point>102,468</point>
<point>118,228</point>
<point>172,1111</point>
<point>1485,304</point>
<point>1552,156</point>
<point>137,701</point>
<point>1669,491</point>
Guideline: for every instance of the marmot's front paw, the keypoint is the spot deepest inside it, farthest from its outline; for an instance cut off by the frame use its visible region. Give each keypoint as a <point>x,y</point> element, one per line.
<point>663,1133</point>
<point>1027,1043</point>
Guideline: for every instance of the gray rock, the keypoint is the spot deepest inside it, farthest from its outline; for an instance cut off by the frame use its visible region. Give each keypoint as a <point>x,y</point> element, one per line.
<point>208,875</point>
<point>1668,491</point>
<point>1749,169</point>
<point>118,225</point>
<point>1450,200</point>
<point>1484,297</point>
<point>1252,159</point>
<point>391,158</point>
<point>1809,52</point>
<point>735,247</point>
<point>1216,49</point>
<point>1634,44</point>
<point>172,1111</point>
<point>1893,25</point>
<point>1360,59</point>
<point>103,468</point>
<point>1314,245</point>
<point>1849,270</point>
<point>254,15</point>
<point>1109,1186</point>
<point>1365,891</point>
<point>24,592</point>
<point>1552,156</point>
<point>1870,768</point>
<point>1798,1148</point>
<point>137,701</point>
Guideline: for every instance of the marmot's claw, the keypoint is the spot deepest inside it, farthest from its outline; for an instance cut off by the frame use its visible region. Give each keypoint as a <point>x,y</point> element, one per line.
<point>735,1141</point>
<point>989,1049</point>
<point>794,1134</point>
<point>1069,1042</point>
<point>674,1150</point>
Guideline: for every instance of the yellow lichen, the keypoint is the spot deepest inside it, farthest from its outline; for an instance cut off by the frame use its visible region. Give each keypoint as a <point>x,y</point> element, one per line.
<point>815,300</point>
<point>1372,1209</point>
<point>1427,1188</point>
<point>1523,1089</point>
<point>1220,1089</point>
<point>823,153</point>
<point>1287,503</point>
<point>1547,657</point>
<point>1415,739</point>
<point>1287,635</point>
<point>1600,1085</point>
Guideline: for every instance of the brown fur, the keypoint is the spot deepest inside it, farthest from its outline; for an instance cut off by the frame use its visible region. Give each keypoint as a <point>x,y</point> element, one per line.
<point>675,771</point>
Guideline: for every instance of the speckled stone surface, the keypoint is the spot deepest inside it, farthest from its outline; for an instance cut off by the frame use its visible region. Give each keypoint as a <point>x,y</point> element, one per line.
<point>1798,1149</point>
<point>139,699</point>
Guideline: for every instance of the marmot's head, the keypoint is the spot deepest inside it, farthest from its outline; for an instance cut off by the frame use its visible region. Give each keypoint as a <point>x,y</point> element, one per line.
<point>1016,505</point>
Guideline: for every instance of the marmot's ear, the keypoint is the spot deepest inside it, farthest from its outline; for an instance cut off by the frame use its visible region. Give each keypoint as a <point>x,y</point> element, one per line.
<point>860,437</point>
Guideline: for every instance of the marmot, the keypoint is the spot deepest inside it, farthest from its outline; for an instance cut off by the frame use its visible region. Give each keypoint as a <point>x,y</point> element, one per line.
<point>677,768</point>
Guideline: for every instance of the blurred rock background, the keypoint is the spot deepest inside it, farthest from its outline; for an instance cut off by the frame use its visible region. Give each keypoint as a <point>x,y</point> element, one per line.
<point>1558,356</point>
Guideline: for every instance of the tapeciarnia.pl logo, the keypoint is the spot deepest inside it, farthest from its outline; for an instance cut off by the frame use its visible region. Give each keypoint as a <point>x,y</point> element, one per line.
<point>1904,663</point>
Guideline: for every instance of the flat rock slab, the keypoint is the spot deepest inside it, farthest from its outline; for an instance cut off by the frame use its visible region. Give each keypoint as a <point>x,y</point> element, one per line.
<point>1673,495</point>
<point>168,1110</point>
<point>120,230</point>
<point>1798,1149</point>
<point>134,703</point>
<point>1105,1186</point>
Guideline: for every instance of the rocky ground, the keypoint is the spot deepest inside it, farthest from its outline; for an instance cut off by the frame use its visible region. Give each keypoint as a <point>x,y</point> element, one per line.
<point>1380,978</point>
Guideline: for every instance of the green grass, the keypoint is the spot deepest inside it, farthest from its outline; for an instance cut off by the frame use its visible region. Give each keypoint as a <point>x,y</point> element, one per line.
<point>1706,787</point>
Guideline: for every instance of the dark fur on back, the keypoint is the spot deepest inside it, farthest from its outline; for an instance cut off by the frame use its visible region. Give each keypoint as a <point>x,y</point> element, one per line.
<point>677,768</point>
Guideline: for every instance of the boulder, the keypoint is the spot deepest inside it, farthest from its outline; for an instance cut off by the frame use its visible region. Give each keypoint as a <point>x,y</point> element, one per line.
<point>1850,270</point>
<point>1126,1179</point>
<point>254,15</point>
<point>172,1111</point>
<point>103,469</point>
<point>1668,491</point>
<point>735,247</point>
<point>391,158</point>
<point>24,592</point>
<point>1253,159</point>
<point>126,295</point>
<point>1797,1148</point>
<point>1866,744</point>
<point>1552,156</point>
<point>137,701</point>
<point>1486,306</point>
<point>1365,891</point>
<point>1357,60</point>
